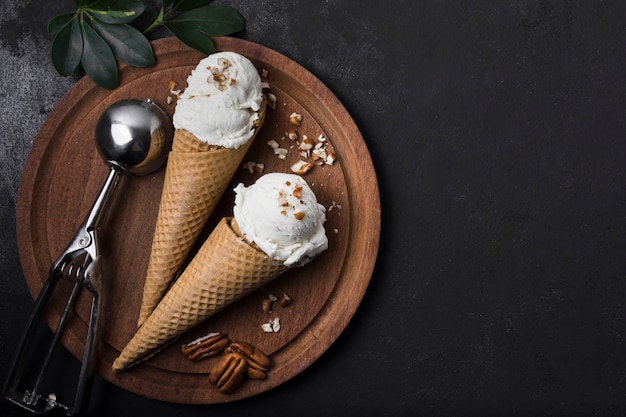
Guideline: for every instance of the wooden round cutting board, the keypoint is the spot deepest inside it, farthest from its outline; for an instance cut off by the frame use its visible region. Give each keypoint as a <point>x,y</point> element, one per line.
<point>63,174</point>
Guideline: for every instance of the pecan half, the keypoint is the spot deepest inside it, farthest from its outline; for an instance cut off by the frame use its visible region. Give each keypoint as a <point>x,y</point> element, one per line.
<point>257,361</point>
<point>228,372</point>
<point>205,347</point>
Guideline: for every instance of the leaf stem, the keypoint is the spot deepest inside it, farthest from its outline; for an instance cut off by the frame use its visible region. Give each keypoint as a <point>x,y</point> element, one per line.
<point>159,19</point>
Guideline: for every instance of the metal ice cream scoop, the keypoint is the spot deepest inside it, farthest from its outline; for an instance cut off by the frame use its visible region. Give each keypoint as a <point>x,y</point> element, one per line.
<point>132,136</point>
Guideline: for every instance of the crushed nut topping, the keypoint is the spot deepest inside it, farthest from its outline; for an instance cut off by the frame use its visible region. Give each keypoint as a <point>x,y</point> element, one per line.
<point>295,119</point>
<point>284,300</point>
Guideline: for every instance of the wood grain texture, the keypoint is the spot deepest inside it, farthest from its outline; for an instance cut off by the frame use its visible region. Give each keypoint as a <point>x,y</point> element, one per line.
<point>64,172</point>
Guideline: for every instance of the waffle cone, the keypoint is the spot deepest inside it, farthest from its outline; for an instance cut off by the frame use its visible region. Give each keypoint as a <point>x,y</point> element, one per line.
<point>196,176</point>
<point>225,269</point>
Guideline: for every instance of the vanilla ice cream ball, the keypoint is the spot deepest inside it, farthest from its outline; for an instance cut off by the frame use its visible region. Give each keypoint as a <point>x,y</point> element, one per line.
<point>221,101</point>
<point>281,215</point>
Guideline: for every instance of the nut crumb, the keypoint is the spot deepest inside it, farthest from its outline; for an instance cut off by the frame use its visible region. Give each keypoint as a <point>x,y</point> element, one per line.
<point>301,167</point>
<point>253,167</point>
<point>271,101</point>
<point>284,300</point>
<point>281,153</point>
<point>272,326</point>
<point>295,119</point>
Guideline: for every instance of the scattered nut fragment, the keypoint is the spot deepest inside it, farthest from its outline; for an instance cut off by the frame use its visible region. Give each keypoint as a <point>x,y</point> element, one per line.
<point>276,325</point>
<point>333,206</point>
<point>301,167</point>
<point>295,119</point>
<point>271,100</point>
<point>319,152</point>
<point>267,305</point>
<point>268,302</point>
<point>205,347</point>
<point>264,73</point>
<point>272,326</point>
<point>306,143</point>
<point>281,153</point>
<point>253,167</point>
<point>292,135</point>
<point>284,300</point>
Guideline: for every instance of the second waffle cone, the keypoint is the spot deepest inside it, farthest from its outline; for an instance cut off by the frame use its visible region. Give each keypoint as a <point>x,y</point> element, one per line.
<point>226,268</point>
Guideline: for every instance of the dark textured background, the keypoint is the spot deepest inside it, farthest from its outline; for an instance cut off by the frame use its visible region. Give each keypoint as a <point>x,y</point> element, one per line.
<point>497,130</point>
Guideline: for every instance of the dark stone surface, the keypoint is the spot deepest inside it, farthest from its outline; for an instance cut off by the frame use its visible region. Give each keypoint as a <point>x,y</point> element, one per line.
<point>498,133</point>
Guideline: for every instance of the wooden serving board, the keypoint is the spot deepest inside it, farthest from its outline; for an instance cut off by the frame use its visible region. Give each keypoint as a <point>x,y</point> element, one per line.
<point>64,173</point>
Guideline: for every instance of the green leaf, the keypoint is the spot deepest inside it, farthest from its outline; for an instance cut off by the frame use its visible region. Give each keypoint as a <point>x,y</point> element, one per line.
<point>128,44</point>
<point>118,12</point>
<point>211,20</point>
<point>185,5</point>
<point>59,21</point>
<point>98,60</point>
<point>192,38</point>
<point>67,48</point>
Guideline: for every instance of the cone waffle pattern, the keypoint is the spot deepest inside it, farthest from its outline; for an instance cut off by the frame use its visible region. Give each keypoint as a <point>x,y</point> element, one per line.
<point>225,269</point>
<point>195,179</point>
<point>194,183</point>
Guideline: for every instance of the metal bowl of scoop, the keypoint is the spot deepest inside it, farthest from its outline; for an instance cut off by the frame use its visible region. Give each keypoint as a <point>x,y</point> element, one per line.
<point>134,135</point>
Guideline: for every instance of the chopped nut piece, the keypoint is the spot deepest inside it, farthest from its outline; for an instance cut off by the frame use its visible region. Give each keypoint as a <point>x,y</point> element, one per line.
<point>284,300</point>
<point>249,166</point>
<point>268,302</point>
<point>272,326</point>
<point>292,135</point>
<point>271,100</point>
<point>301,167</point>
<point>264,73</point>
<point>267,306</point>
<point>295,119</point>
<point>330,158</point>
<point>299,215</point>
<point>281,153</point>
<point>306,143</point>
<point>276,325</point>
<point>253,167</point>
<point>273,144</point>
<point>319,153</point>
